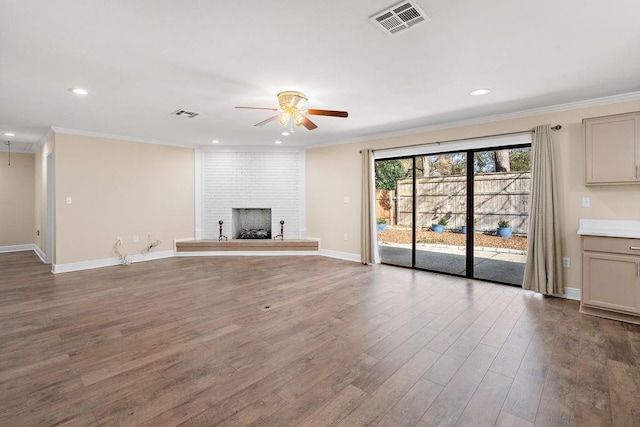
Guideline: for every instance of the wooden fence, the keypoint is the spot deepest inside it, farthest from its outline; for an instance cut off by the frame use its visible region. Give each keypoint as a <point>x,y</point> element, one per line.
<point>498,196</point>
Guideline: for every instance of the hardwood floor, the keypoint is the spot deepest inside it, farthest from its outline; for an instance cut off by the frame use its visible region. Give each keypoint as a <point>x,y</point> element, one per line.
<point>308,341</point>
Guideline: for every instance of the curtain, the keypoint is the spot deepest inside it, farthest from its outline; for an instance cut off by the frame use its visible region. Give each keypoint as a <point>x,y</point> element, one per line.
<point>543,270</point>
<point>368,234</point>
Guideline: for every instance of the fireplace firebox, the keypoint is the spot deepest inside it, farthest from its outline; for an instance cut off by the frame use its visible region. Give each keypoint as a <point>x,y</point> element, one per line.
<point>251,223</point>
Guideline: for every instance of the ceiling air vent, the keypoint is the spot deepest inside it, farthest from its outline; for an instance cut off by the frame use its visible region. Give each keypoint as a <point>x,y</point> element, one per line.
<point>185,113</point>
<point>401,16</point>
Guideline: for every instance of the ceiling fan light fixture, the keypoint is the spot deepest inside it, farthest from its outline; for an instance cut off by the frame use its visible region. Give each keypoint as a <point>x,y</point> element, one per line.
<point>291,99</point>
<point>297,118</point>
<point>284,118</point>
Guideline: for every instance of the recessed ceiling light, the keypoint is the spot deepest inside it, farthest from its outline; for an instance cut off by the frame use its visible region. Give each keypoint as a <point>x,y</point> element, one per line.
<point>482,91</point>
<point>285,133</point>
<point>278,142</point>
<point>9,134</point>
<point>79,91</point>
<point>215,141</point>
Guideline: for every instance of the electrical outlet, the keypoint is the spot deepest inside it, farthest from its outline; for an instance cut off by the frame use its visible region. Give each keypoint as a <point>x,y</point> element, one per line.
<point>136,239</point>
<point>586,202</point>
<point>346,236</point>
<point>566,262</point>
<point>345,199</point>
<point>69,200</point>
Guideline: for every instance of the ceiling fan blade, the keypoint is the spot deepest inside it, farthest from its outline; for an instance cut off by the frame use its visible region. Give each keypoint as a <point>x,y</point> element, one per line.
<point>258,108</point>
<point>308,123</point>
<point>270,119</point>
<point>332,113</point>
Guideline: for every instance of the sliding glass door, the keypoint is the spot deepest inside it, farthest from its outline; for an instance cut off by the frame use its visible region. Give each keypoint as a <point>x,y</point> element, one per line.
<point>394,211</point>
<point>502,188</point>
<point>441,191</point>
<point>463,212</point>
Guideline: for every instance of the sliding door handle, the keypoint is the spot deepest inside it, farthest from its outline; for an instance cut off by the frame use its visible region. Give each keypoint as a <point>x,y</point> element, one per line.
<point>634,248</point>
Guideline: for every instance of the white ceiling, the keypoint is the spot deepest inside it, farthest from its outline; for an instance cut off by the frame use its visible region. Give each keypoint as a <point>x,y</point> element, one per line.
<point>142,60</point>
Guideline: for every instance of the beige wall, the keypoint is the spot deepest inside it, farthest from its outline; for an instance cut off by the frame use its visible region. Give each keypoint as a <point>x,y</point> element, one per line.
<point>119,188</point>
<point>16,199</point>
<point>334,172</point>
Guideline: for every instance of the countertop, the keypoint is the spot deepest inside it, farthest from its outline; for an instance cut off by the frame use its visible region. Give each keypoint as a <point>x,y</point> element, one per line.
<point>609,228</point>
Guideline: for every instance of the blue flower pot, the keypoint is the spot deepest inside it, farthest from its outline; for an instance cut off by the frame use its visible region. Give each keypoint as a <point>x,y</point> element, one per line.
<point>437,228</point>
<point>505,232</point>
<point>381,227</point>
<point>463,229</point>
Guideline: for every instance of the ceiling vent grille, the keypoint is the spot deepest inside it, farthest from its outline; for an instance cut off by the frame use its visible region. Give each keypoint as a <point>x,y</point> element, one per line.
<point>401,16</point>
<point>185,113</point>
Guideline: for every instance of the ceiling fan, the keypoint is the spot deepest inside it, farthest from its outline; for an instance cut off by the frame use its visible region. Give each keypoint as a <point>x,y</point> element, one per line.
<point>291,112</point>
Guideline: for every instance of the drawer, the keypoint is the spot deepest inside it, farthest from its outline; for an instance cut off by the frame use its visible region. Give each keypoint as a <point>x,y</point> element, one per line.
<point>617,245</point>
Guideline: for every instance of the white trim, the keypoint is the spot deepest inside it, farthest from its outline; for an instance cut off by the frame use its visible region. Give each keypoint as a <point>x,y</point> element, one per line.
<point>247,253</point>
<point>40,253</point>
<point>198,193</point>
<point>302,196</point>
<point>27,148</point>
<point>247,148</point>
<point>340,255</point>
<point>457,145</point>
<point>16,248</point>
<point>45,138</point>
<point>107,262</point>
<point>120,137</point>
<point>570,293</point>
<point>50,207</point>
<point>606,100</point>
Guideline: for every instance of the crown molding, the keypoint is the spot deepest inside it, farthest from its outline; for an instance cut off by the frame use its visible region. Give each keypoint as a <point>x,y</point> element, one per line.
<point>248,148</point>
<point>117,137</point>
<point>606,100</point>
<point>45,138</point>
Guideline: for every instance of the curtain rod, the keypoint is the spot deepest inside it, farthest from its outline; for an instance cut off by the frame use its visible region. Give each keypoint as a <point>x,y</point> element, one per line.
<point>556,127</point>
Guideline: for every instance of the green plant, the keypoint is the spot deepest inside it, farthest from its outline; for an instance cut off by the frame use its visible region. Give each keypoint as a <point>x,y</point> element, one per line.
<point>388,172</point>
<point>443,221</point>
<point>381,221</point>
<point>504,224</point>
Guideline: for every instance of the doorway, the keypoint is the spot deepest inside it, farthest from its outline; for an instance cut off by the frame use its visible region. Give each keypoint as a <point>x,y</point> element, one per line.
<point>49,259</point>
<point>462,212</point>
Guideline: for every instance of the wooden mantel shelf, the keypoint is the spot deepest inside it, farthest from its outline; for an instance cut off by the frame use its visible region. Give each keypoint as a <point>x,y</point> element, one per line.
<point>247,245</point>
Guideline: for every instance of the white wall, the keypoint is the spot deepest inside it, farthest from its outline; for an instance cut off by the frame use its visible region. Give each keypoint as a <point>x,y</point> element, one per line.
<point>252,179</point>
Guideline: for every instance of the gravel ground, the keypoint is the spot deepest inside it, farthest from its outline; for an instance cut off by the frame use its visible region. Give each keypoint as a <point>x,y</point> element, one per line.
<point>403,235</point>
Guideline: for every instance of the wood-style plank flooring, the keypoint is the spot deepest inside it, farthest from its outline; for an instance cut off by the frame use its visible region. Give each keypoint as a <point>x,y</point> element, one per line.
<point>310,341</point>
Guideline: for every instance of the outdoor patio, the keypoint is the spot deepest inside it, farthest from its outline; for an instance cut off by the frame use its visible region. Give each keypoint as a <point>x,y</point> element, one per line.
<point>503,267</point>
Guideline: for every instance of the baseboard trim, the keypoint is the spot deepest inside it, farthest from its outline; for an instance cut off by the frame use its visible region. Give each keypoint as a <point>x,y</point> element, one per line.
<point>108,262</point>
<point>17,248</point>
<point>340,255</point>
<point>570,293</point>
<point>40,253</point>
<point>247,253</point>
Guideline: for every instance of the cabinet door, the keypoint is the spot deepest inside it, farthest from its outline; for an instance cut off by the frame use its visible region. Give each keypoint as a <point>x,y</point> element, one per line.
<point>611,281</point>
<point>612,149</point>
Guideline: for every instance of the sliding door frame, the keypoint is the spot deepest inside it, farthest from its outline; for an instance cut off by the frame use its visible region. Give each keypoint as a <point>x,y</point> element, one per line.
<point>470,199</point>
